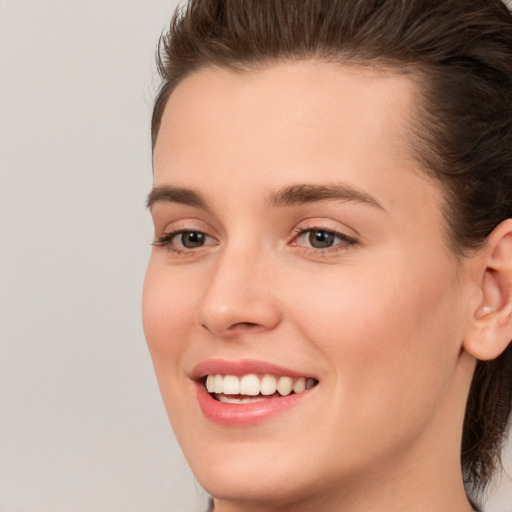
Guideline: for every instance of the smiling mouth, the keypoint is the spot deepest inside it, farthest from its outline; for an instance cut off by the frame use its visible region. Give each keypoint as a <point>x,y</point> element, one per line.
<point>251,388</point>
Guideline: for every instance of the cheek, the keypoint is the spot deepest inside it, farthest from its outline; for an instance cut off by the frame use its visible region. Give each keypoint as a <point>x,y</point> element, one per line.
<point>167,306</point>
<point>168,315</point>
<point>390,336</point>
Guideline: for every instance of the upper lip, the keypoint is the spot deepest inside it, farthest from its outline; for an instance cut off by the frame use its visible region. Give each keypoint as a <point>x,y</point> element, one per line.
<point>242,367</point>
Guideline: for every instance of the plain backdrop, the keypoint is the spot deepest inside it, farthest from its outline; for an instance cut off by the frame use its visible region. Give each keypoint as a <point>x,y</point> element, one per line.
<point>82,426</point>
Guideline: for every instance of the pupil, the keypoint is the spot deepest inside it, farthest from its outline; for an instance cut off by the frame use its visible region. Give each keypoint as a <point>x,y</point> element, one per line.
<point>321,239</point>
<point>192,239</point>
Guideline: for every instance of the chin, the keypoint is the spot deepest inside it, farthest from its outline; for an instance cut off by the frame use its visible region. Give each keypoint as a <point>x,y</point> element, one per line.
<point>243,471</point>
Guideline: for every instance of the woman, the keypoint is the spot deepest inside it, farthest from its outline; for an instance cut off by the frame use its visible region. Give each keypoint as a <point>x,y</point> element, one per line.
<point>328,302</point>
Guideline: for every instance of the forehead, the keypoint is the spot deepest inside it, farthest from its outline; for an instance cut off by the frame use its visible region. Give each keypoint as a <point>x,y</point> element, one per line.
<point>356,103</point>
<point>288,83</point>
<point>293,121</point>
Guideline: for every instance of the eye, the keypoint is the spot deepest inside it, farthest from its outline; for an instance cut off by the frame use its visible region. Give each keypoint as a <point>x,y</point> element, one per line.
<point>190,239</point>
<point>184,240</point>
<point>322,239</point>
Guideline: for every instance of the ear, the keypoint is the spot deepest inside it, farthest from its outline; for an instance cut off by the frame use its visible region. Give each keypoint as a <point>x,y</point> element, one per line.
<point>490,326</point>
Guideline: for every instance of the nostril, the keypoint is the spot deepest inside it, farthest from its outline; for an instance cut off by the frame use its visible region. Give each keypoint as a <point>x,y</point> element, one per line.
<point>249,325</point>
<point>236,326</point>
<point>235,329</point>
<point>244,327</point>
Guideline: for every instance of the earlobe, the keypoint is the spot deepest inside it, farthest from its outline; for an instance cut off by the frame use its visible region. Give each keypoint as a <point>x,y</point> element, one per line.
<point>490,328</point>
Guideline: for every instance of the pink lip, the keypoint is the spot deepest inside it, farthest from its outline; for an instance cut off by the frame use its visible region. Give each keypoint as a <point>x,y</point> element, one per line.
<point>237,415</point>
<point>241,367</point>
<point>243,414</point>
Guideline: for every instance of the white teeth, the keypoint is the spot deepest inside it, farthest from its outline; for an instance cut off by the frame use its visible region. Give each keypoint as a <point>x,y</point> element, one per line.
<point>285,385</point>
<point>219,383</point>
<point>250,385</point>
<point>268,385</point>
<point>210,383</point>
<point>231,385</point>
<point>230,400</point>
<point>299,385</point>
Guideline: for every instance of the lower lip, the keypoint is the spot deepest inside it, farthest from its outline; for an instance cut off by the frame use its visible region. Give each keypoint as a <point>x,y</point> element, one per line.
<point>245,414</point>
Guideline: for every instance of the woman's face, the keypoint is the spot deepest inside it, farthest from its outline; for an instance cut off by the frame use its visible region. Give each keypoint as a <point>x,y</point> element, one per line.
<point>298,244</point>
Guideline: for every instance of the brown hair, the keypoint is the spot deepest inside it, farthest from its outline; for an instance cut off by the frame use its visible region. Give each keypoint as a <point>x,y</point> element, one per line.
<point>460,55</point>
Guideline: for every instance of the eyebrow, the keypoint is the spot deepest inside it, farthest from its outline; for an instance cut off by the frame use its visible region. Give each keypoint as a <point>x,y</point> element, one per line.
<point>310,193</point>
<point>169,194</point>
<point>287,196</point>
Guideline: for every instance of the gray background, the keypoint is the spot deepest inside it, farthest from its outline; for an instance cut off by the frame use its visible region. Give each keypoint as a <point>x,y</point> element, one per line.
<point>82,427</point>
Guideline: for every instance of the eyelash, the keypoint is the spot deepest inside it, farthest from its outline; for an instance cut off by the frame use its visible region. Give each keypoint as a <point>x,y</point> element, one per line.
<point>165,240</point>
<point>346,240</point>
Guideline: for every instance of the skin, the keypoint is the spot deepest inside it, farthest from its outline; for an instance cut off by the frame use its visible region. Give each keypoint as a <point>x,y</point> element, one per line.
<point>380,322</point>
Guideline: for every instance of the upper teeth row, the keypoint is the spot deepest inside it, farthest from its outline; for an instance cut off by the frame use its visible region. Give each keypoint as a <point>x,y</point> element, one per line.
<point>253,384</point>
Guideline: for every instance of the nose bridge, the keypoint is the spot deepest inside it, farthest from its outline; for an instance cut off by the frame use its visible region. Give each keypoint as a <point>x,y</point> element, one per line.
<point>238,294</point>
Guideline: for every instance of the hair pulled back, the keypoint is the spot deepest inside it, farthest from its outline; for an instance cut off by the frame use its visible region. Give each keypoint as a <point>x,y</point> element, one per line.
<point>459,53</point>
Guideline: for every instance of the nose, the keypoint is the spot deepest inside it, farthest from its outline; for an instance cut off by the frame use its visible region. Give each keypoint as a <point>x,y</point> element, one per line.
<point>239,297</point>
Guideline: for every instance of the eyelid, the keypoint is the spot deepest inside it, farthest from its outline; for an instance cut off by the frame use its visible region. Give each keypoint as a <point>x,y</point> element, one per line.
<point>346,240</point>
<point>168,235</point>
<point>339,234</point>
<point>171,234</point>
